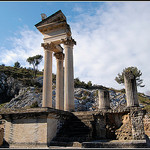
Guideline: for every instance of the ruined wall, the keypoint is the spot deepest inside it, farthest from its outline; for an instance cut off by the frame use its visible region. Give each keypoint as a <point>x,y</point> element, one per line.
<point>124,124</point>
<point>137,115</point>
<point>125,131</point>
<point>132,127</point>
<point>146,121</point>
<point>113,122</point>
<point>100,126</point>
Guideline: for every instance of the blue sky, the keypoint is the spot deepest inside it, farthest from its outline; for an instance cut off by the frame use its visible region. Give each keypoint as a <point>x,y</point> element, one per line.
<point>110,36</point>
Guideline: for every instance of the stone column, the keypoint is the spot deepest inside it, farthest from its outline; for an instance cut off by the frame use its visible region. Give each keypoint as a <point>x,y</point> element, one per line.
<point>47,78</point>
<point>69,74</point>
<point>131,89</point>
<point>104,99</point>
<point>59,81</point>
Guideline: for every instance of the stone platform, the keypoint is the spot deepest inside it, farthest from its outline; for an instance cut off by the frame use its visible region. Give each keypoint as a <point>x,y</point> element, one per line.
<point>104,144</point>
<point>31,128</point>
<point>116,144</point>
<point>47,127</point>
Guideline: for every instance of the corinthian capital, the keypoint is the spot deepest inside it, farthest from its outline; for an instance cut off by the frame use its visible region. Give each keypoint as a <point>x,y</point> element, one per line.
<point>59,56</point>
<point>48,46</point>
<point>68,41</point>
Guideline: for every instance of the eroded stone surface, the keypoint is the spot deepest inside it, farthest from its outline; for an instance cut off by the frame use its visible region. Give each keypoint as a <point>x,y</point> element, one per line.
<point>125,131</point>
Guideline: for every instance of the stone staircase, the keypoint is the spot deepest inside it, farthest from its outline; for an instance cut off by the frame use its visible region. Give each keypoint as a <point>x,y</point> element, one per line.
<point>72,133</point>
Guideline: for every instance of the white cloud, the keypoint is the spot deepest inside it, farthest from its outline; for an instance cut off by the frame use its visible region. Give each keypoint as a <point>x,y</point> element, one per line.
<point>110,40</point>
<point>24,45</point>
<point>115,36</point>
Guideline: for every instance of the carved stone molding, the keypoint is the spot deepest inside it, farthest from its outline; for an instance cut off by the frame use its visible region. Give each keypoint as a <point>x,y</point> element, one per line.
<point>48,46</point>
<point>59,56</point>
<point>68,41</point>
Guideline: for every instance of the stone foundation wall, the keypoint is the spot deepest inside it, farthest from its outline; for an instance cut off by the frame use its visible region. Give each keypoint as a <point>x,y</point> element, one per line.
<point>24,131</point>
<point>38,127</point>
<point>34,128</point>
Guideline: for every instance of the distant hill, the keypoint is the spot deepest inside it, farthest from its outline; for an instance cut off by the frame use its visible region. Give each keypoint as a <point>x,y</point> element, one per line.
<point>19,89</point>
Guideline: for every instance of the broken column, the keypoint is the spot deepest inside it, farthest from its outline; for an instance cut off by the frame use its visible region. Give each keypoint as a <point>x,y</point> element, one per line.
<point>104,99</point>
<point>69,74</point>
<point>131,89</point>
<point>59,81</point>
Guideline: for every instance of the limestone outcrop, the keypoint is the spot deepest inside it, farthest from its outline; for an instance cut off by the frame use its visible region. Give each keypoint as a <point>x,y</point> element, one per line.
<point>9,87</point>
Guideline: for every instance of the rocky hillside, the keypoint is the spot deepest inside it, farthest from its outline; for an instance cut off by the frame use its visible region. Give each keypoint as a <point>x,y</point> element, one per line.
<point>18,92</point>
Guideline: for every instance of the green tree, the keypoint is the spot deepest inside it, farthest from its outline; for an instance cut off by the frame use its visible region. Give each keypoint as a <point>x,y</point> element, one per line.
<point>35,61</point>
<point>17,64</point>
<point>137,73</point>
<point>89,84</point>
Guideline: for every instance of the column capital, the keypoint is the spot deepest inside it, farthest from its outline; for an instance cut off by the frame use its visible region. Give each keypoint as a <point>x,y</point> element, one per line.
<point>68,41</point>
<point>59,56</point>
<point>48,46</point>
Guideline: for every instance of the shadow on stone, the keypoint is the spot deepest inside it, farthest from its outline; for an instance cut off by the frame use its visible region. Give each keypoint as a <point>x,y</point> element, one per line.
<point>147,141</point>
<point>5,144</point>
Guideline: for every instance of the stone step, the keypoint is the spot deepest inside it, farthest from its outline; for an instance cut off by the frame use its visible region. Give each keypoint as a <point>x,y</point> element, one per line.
<point>58,143</point>
<point>72,135</point>
<point>82,117</point>
<point>71,139</point>
<point>104,144</point>
<point>66,144</point>
<point>75,125</point>
<point>69,129</point>
<point>116,144</point>
<point>76,129</point>
<point>72,122</point>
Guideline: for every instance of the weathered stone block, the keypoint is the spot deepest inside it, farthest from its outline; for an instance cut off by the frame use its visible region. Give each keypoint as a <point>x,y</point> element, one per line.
<point>32,127</point>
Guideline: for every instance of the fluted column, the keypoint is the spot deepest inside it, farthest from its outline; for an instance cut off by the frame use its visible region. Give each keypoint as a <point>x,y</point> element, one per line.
<point>59,81</point>
<point>69,74</point>
<point>47,78</point>
<point>131,89</point>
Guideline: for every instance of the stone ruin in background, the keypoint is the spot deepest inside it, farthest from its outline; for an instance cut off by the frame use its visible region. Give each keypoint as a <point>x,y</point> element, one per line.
<point>61,126</point>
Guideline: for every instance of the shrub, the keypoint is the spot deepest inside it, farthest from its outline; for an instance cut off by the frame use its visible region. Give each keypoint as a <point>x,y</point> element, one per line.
<point>34,105</point>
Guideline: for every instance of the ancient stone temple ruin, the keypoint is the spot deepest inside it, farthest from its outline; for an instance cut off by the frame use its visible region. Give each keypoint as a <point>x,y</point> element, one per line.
<point>49,127</point>
<point>56,31</point>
